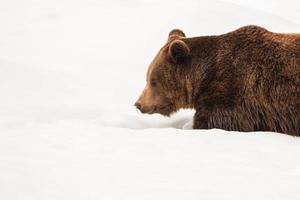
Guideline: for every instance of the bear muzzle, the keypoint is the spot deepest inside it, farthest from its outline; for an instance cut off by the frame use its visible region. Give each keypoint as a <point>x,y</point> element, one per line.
<point>144,109</point>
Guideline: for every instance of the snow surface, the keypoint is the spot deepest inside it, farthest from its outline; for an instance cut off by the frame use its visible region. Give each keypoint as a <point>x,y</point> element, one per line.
<point>70,72</point>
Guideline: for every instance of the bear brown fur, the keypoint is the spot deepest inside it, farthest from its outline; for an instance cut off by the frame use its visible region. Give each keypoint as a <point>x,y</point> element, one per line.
<point>245,80</point>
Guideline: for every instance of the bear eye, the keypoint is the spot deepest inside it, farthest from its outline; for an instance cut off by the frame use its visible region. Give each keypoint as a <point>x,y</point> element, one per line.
<point>153,82</point>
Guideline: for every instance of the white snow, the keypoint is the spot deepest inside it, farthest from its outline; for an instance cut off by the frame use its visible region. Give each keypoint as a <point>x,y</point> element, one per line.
<point>70,72</point>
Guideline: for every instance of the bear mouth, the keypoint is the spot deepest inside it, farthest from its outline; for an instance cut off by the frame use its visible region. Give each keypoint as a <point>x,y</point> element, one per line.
<point>165,110</point>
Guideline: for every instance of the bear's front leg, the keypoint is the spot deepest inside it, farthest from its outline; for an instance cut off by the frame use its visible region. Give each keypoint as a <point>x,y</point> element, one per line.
<point>201,119</point>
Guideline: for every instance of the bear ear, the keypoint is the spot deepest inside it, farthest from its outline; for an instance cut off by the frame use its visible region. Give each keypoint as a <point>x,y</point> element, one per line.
<point>175,33</point>
<point>178,51</point>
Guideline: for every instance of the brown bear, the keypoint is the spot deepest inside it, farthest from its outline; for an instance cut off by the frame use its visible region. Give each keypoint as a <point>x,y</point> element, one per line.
<point>244,80</point>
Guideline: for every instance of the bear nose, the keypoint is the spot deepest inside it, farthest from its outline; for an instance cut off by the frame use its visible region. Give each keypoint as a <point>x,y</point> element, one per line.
<point>138,105</point>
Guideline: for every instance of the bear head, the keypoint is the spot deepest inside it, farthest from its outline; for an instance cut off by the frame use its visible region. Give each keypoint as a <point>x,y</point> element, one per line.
<point>167,88</point>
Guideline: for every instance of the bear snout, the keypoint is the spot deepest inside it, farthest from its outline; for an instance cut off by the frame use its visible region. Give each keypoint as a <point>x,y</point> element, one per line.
<point>139,107</point>
<point>143,109</point>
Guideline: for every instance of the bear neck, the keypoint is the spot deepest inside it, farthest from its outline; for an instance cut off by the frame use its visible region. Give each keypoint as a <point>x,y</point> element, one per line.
<point>203,51</point>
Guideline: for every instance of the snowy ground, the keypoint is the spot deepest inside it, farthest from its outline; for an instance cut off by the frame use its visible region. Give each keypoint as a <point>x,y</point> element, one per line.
<point>70,72</point>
